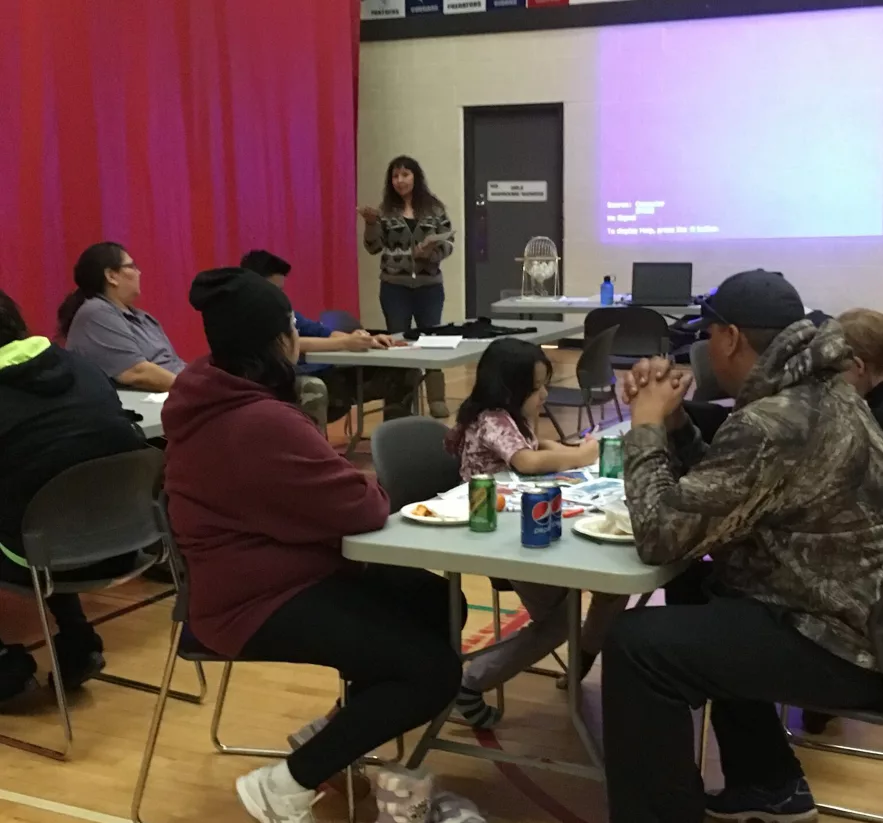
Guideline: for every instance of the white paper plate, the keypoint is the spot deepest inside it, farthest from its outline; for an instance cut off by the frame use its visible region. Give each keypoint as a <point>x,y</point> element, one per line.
<point>592,525</point>
<point>450,512</point>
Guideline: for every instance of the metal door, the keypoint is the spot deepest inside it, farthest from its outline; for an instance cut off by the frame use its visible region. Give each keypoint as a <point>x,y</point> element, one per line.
<point>514,164</point>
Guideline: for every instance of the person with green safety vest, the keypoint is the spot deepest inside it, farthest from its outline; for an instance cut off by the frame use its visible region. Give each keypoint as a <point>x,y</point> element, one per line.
<point>56,410</point>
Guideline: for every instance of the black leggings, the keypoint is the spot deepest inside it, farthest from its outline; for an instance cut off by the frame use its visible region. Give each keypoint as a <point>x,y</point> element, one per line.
<point>386,630</point>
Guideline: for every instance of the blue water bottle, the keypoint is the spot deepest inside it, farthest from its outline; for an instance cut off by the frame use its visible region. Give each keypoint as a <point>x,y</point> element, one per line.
<point>607,292</point>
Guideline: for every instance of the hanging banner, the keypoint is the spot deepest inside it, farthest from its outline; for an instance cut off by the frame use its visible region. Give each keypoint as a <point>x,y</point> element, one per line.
<point>541,4</point>
<point>464,6</point>
<point>382,9</point>
<point>419,7</point>
<point>505,4</point>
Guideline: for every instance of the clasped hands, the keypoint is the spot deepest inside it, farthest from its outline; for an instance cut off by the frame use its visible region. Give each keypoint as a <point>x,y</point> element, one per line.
<point>654,391</point>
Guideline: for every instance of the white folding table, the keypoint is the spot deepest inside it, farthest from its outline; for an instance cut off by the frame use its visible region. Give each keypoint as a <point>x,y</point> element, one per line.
<point>574,563</point>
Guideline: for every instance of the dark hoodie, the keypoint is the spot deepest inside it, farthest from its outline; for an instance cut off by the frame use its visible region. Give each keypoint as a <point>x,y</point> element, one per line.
<point>258,499</point>
<point>56,410</point>
<point>788,498</point>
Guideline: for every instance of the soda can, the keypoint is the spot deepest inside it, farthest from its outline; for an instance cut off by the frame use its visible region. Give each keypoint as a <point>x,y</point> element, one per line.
<point>553,492</point>
<point>482,503</point>
<point>536,515</point>
<point>611,457</point>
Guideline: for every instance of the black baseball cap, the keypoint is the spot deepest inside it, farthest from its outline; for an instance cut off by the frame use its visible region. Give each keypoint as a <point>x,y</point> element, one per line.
<point>755,299</point>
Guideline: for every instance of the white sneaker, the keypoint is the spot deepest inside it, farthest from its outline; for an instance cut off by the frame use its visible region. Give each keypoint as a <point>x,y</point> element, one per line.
<point>337,782</point>
<point>266,801</point>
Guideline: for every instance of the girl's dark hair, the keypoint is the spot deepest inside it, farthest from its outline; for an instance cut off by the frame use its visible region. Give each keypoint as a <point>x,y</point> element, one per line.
<point>423,200</point>
<point>90,280</point>
<point>270,368</point>
<point>12,325</point>
<point>504,380</point>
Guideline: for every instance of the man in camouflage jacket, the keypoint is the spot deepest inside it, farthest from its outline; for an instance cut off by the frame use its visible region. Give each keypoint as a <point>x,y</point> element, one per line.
<point>787,501</point>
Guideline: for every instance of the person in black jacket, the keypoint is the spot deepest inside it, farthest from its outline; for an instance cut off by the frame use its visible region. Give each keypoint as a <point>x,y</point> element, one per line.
<point>56,410</point>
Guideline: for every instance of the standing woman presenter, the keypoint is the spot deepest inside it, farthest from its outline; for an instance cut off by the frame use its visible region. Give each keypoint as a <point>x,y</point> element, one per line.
<point>412,234</point>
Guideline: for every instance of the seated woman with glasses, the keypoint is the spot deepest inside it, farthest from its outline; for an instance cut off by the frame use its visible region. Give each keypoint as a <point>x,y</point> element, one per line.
<point>259,503</point>
<point>101,321</point>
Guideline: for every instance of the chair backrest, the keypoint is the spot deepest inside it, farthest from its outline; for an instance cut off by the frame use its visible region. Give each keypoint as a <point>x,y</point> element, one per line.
<point>177,564</point>
<point>94,511</point>
<point>411,461</point>
<point>706,386</point>
<point>338,320</point>
<point>593,369</point>
<point>642,331</point>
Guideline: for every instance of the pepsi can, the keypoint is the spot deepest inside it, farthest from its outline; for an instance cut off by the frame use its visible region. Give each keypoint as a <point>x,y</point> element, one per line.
<point>553,492</point>
<point>536,516</point>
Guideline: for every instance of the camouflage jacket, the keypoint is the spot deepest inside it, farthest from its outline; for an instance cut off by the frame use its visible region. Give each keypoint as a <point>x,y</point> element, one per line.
<point>788,498</point>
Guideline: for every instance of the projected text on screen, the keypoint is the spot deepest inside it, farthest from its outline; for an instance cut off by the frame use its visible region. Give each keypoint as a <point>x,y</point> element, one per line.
<point>766,127</point>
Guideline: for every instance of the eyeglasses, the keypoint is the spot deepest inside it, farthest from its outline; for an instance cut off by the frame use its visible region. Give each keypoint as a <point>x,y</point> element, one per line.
<point>131,266</point>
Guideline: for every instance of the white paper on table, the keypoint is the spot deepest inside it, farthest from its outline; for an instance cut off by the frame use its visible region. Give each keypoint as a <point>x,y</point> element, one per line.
<point>160,397</point>
<point>460,492</point>
<point>428,341</point>
<point>597,493</point>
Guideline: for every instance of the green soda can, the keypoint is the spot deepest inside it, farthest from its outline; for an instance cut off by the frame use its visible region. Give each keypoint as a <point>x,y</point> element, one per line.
<point>611,457</point>
<point>482,503</point>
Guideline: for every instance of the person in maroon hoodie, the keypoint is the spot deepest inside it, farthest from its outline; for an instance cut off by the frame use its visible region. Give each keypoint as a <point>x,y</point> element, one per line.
<point>259,502</point>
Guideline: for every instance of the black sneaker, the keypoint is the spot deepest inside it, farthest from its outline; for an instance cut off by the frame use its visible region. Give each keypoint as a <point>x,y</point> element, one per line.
<point>79,657</point>
<point>793,803</point>
<point>17,670</point>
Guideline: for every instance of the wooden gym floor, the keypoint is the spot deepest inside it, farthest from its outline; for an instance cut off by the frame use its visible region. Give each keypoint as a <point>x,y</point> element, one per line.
<point>189,782</point>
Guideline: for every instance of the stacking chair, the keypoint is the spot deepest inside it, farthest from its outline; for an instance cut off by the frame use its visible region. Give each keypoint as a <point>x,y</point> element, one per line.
<point>412,465</point>
<point>186,647</point>
<point>642,333</point>
<point>93,512</point>
<point>411,462</point>
<point>597,383</point>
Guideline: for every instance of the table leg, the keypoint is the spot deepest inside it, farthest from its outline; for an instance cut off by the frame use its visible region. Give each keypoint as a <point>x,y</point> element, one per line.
<point>359,430</point>
<point>455,606</point>
<point>574,683</point>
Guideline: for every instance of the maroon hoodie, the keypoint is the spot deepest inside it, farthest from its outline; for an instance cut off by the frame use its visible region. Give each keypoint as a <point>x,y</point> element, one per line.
<point>258,501</point>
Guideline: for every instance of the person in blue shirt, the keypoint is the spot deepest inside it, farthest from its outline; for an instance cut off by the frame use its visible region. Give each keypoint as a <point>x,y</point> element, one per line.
<point>328,392</point>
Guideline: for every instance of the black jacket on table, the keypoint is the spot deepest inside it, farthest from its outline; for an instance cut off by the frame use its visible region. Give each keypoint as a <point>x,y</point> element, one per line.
<point>56,410</point>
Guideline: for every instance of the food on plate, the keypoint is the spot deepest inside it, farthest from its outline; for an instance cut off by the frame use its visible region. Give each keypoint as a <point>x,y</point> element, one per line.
<point>423,511</point>
<point>616,523</point>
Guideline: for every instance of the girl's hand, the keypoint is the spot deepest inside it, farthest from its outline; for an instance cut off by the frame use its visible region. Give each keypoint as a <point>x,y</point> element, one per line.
<point>369,214</point>
<point>589,450</point>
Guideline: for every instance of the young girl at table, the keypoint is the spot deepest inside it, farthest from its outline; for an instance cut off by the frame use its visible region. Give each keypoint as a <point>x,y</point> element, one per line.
<point>496,431</point>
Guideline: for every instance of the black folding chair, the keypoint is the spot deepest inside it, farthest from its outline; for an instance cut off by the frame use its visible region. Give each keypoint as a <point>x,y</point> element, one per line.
<point>93,512</point>
<point>597,383</point>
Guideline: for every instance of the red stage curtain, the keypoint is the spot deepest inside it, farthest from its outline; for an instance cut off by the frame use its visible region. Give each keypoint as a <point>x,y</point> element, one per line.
<point>188,130</point>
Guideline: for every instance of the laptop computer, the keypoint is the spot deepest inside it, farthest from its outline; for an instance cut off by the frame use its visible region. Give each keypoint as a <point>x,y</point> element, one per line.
<point>662,284</point>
